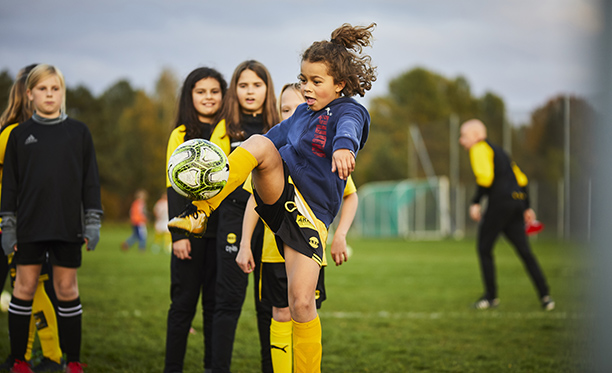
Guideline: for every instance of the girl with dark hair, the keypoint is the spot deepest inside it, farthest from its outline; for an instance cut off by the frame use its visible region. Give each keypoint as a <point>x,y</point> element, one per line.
<point>193,260</point>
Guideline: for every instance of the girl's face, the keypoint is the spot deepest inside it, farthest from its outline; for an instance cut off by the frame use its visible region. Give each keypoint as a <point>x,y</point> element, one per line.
<point>318,86</point>
<point>207,96</point>
<point>47,97</point>
<point>290,99</point>
<point>251,92</point>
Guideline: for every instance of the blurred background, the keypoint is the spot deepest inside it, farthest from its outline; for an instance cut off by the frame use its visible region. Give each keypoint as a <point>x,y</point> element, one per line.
<point>525,68</point>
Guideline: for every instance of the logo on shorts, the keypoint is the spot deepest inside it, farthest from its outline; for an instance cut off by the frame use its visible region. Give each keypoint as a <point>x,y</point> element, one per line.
<point>231,249</point>
<point>317,294</point>
<point>303,222</point>
<point>314,242</point>
<point>231,238</point>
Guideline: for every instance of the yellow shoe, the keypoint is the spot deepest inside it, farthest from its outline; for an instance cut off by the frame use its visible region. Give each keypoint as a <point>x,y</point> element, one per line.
<point>192,221</point>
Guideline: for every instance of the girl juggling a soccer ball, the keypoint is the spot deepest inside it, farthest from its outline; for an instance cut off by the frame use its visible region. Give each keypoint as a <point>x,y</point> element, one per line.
<point>50,169</point>
<point>316,147</point>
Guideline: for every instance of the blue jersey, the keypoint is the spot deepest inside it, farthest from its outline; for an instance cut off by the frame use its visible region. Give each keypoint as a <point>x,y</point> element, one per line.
<point>306,142</point>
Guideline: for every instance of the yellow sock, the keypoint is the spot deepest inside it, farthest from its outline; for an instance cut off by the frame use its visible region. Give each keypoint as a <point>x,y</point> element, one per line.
<point>307,348</point>
<point>280,346</point>
<point>241,163</point>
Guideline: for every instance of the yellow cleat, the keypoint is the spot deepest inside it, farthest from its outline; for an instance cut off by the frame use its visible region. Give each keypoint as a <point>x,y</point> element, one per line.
<point>192,222</point>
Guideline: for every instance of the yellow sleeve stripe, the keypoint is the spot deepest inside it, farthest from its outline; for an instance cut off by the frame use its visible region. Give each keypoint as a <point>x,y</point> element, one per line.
<point>177,137</point>
<point>350,187</point>
<point>481,158</point>
<point>4,135</point>
<point>521,179</point>
<point>219,137</point>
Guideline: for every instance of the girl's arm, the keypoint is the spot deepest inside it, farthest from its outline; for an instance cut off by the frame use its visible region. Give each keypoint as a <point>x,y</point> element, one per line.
<point>245,255</point>
<point>347,214</point>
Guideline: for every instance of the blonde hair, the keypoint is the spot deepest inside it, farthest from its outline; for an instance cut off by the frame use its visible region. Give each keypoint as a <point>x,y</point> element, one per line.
<point>42,72</point>
<point>18,109</point>
<point>295,86</point>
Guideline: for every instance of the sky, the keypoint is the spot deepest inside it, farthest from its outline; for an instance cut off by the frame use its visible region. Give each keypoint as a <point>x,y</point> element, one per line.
<point>524,51</point>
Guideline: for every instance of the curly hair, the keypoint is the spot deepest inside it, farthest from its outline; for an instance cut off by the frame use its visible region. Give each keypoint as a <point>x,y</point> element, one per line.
<point>342,55</point>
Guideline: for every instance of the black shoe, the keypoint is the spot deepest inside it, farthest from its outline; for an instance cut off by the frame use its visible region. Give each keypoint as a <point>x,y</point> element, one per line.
<point>548,304</point>
<point>8,364</point>
<point>47,365</point>
<point>486,303</point>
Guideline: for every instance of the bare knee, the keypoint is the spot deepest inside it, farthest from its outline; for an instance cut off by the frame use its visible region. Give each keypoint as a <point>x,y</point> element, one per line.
<point>25,289</point>
<point>303,309</point>
<point>281,314</point>
<point>66,288</point>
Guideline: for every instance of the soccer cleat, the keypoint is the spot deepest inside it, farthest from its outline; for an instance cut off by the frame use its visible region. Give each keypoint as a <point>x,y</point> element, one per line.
<point>548,304</point>
<point>486,303</point>
<point>192,221</point>
<point>48,365</point>
<point>74,367</point>
<point>21,366</point>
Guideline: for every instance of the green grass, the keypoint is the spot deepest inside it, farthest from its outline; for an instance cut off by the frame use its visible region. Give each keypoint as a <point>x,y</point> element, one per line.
<point>395,306</point>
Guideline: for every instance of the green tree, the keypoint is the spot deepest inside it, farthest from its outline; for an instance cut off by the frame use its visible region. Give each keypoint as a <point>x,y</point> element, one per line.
<point>427,100</point>
<point>6,82</point>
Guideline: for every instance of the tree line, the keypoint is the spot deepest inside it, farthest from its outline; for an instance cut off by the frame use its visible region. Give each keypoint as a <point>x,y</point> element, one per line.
<point>130,128</point>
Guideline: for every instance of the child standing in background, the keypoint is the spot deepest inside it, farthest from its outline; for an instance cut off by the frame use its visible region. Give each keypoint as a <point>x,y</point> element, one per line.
<point>161,240</point>
<point>194,259</point>
<point>249,109</point>
<point>138,218</point>
<point>50,170</point>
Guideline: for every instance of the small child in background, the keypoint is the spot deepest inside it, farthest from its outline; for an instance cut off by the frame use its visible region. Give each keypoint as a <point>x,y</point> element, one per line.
<point>138,218</point>
<point>162,234</point>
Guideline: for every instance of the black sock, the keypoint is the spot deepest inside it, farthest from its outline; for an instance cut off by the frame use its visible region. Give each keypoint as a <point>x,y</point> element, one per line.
<point>20,312</point>
<point>69,318</point>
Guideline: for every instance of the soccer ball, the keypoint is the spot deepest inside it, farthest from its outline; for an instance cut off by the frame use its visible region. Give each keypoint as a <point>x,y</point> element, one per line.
<point>198,169</point>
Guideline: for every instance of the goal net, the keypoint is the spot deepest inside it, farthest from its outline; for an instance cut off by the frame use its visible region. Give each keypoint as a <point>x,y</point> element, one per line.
<point>411,209</point>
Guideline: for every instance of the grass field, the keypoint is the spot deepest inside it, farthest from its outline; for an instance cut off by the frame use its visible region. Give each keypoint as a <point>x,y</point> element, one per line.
<point>396,306</point>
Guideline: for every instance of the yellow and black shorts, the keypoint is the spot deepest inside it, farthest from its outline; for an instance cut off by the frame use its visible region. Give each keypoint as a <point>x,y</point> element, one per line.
<point>274,289</point>
<point>292,220</point>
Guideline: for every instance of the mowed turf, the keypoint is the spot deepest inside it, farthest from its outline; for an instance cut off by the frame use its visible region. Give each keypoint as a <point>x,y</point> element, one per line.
<point>395,306</point>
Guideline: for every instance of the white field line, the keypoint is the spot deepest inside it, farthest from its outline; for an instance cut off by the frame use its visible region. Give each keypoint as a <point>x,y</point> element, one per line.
<point>488,314</point>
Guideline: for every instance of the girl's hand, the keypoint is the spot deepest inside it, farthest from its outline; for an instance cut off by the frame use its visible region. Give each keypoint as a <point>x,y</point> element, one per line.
<point>475,212</point>
<point>182,249</point>
<point>529,216</point>
<point>343,161</point>
<point>338,250</point>
<point>245,259</point>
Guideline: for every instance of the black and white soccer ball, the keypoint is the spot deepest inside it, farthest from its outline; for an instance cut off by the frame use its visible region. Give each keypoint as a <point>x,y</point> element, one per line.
<point>198,169</point>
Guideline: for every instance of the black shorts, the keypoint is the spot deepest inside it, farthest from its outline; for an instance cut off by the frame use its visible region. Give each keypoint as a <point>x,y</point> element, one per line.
<point>292,220</point>
<point>62,254</point>
<point>274,285</point>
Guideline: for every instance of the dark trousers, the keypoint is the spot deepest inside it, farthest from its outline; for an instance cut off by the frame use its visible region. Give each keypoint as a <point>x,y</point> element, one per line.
<point>189,278</point>
<point>231,287</point>
<point>506,218</point>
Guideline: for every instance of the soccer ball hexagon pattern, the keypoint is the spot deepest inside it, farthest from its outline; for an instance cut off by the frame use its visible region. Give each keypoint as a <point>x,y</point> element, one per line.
<point>198,169</point>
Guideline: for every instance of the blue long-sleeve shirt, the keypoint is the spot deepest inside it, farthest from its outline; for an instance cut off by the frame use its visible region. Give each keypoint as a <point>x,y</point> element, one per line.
<point>306,142</point>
